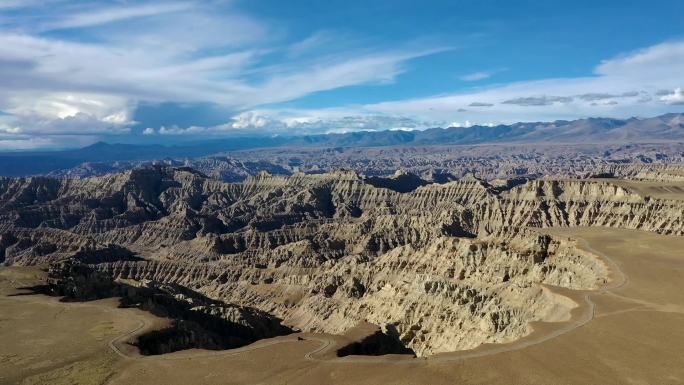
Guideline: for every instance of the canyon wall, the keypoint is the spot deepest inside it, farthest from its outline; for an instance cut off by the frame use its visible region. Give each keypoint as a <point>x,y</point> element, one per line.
<point>439,266</point>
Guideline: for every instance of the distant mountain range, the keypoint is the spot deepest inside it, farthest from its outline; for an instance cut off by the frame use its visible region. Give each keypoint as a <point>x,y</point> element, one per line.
<point>664,128</point>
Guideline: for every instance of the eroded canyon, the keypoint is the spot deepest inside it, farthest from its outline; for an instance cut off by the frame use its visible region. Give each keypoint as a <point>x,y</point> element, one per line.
<point>439,267</point>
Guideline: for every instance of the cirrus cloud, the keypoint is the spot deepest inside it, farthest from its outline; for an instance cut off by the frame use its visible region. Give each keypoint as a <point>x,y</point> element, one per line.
<point>91,82</point>
<point>83,68</point>
<point>641,80</point>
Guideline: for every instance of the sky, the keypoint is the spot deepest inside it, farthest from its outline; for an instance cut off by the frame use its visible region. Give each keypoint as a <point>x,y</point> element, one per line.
<point>76,72</point>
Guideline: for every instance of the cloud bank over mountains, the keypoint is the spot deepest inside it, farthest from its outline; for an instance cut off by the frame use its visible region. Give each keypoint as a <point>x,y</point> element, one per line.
<point>74,72</point>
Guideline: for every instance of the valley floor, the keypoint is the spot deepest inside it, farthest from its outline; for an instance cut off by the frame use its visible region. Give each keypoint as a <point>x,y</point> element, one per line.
<point>628,332</point>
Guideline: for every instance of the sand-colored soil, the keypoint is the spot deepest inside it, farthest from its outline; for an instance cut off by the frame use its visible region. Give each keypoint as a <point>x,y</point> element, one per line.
<point>44,341</point>
<point>630,332</point>
<point>659,189</point>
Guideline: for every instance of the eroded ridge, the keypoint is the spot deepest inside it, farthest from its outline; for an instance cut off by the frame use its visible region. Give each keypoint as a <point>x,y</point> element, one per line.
<point>440,267</point>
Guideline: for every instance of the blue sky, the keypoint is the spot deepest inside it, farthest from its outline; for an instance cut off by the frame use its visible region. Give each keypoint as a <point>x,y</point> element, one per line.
<point>74,72</point>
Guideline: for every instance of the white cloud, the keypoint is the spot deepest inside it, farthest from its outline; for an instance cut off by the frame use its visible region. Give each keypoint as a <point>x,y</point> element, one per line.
<point>158,61</point>
<point>78,124</point>
<point>634,78</point>
<point>302,122</point>
<point>25,144</point>
<point>111,108</point>
<point>481,75</point>
<point>92,81</point>
<point>250,120</point>
<point>118,13</point>
<point>551,99</point>
<point>71,86</point>
<point>652,63</point>
<point>315,40</point>
<point>18,4</point>
<point>333,72</point>
<point>622,87</point>
<point>593,96</point>
<point>15,143</point>
<point>36,113</point>
<point>676,97</point>
<point>542,100</point>
<point>466,124</point>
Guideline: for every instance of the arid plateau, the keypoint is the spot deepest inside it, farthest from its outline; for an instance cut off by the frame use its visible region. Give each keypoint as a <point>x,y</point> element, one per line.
<point>164,275</point>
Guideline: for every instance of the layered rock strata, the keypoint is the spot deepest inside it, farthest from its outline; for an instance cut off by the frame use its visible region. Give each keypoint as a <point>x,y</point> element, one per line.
<point>441,267</point>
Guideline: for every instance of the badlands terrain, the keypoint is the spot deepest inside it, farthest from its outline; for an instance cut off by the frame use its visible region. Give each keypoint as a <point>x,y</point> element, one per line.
<point>567,271</point>
<point>434,163</point>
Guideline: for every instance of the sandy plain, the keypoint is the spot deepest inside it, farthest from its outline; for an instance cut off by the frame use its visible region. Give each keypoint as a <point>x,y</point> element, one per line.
<point>628,332</point>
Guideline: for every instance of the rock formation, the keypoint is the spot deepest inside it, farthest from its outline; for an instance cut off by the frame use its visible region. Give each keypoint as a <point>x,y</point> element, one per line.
<point>438,266</point>
<point>434,163</point>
